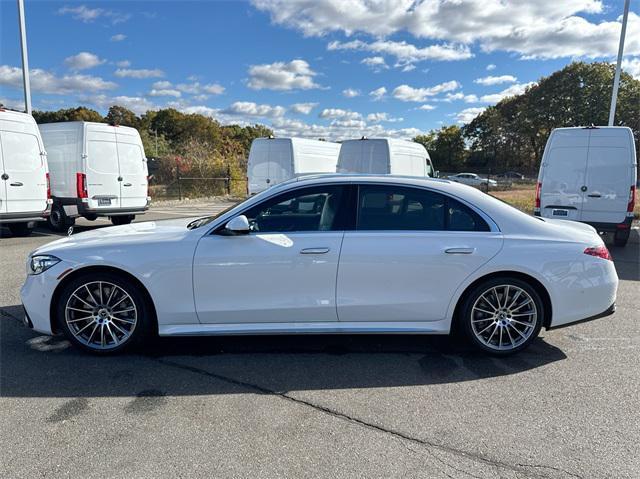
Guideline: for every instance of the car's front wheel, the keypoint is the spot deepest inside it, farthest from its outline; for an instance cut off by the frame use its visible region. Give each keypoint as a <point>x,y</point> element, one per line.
<point>103,313</point>
<point>502,316</point>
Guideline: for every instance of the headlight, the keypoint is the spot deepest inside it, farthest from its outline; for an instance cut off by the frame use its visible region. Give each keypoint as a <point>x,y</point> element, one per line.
<point>40,263</point>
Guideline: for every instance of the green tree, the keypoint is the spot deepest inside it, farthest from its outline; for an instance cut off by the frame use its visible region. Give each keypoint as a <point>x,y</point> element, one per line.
<point>119,115</point>
<point>69,114</point>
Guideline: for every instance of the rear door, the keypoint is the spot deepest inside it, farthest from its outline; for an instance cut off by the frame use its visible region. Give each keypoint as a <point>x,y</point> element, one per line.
<point>280,161</point>
<point>24,172</point>
<point>412,249</point>
<point>102,168</point>
<point>258,166</point>
<point>563,179</point>
<point>608,176</point>
<point>133,171</point>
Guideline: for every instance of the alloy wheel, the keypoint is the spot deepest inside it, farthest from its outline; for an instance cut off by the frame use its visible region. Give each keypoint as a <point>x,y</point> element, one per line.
<point>504,317</point>
<point>101,315</point>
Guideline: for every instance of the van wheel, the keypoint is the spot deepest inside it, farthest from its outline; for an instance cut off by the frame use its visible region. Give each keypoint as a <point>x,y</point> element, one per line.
<point>122,220</point>
<point>91,217</point>
<point>21,229</point>
<point>621,237</point>
<point>58,219</point>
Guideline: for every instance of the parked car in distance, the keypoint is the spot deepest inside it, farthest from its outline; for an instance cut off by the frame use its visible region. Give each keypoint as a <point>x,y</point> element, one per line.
<point>385,156</point>
<point>24,185</point>
<point>511,175</point>
<point>274,160</point>
<point>472,179</point>
<point>326,254</point>
<point>96,170</point>
<point>589,175</point>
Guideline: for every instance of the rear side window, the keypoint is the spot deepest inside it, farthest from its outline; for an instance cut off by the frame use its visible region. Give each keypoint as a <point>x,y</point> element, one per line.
<point>388,207</point>
<point>21,152</point>
<point>102,157</point>
<point>131,159</point>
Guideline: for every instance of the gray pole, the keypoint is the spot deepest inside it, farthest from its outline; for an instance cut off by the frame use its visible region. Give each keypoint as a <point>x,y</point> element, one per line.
<point>616,79</point>
<point>25,59</point>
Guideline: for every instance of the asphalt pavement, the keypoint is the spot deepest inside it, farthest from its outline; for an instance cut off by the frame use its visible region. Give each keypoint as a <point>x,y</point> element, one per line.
<point>320,406</point>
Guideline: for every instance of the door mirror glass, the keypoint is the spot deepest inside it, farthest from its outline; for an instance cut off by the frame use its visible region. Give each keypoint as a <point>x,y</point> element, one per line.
<point>238,225</point>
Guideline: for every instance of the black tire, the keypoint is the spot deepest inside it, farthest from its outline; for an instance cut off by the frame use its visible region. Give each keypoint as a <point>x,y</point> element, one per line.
<point>58,220</point>
<point>621,237</point>
<point>21,229</point>
<point>468,318</point>
<point>143,320</point>
<point>91,217</point>
<point>122,220</point>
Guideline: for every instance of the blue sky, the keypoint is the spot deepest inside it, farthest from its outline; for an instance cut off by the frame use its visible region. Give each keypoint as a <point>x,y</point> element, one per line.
<point>332,68</point>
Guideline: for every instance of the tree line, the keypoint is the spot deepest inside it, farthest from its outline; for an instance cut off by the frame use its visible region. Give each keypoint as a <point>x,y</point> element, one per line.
<point>512,134</point>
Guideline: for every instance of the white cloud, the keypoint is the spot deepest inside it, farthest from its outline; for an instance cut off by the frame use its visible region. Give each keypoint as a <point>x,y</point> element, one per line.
<point>136,104</point>
<point>408,93</point>
<point>118,37</point>
<point>382,116</point>
<point>406,53</point>
<point>495,80</point>
<point>250,109</point>
<point>426,107</point>
<point>213,89</point>
<point>89,15</point>
<point>194,88</point>
<point>12,103</point>
<point>513,90</point>
<point>540,29</point>
<point>339,114</point>
<point>377,63</point>
<point>632,66</point>
<point>46,82</point>
<point>468,114</point>
<point>302,108</point>
<point>351,93</point>
<point>449,97</point>
<point>83,61</point>
<point>139,73</point>
<point>378,93</point>
<point>165,92</point>
<point>295,75</point>
<point>491,67</point>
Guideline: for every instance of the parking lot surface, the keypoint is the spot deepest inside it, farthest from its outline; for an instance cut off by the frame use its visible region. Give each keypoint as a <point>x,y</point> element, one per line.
<point>320,406</point>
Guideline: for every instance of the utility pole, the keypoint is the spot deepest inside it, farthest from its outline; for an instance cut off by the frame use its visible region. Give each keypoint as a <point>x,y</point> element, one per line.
<point>616,78</point>
<point>25,58</point>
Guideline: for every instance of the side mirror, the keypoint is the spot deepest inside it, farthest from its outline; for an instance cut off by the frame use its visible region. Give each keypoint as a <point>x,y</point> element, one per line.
<point>436,174</point>
<point>238,225</point>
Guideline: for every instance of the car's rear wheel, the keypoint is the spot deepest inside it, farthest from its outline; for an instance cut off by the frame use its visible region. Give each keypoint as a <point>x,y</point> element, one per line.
<point>502,316</point>
<point>103,313</point>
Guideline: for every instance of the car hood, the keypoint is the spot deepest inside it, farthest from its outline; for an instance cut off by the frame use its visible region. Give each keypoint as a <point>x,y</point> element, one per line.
<point>145,232</point>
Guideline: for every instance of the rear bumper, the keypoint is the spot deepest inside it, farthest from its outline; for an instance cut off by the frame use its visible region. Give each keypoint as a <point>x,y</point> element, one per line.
<point>76,207</point>
<point>612,227</point>
<point>608,312</point>
<point>25,216</point>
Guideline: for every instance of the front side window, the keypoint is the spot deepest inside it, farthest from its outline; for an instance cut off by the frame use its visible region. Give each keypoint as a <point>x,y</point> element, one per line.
<point>21,152</point>
<point>306,209</point>
<point>389,207</point>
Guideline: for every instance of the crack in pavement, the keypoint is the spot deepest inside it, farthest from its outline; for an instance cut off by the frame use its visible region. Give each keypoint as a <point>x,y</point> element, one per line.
<point>518,468</point>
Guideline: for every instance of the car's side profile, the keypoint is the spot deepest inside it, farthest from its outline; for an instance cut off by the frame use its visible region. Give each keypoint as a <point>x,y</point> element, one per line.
<point>472,179</point>
<point>328,254</point>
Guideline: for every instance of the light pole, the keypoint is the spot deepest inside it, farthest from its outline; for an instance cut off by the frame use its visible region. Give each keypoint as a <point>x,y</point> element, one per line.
<point>616,78</point>
<point>25,58</point>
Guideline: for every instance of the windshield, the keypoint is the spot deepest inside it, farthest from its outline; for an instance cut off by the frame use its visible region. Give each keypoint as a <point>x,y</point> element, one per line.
<point>197,223</point>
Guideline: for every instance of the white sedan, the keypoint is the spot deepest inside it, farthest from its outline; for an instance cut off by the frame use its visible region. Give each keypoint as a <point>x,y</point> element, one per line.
<point>326,254</point>
<point>472,179</point>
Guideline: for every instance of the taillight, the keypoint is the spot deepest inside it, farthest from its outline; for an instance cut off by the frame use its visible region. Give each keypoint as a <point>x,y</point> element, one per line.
<point>81,185</point>
<point>632,199</point>
<point>48,186</point>
<point>538,188</point>
<point>599,251</point>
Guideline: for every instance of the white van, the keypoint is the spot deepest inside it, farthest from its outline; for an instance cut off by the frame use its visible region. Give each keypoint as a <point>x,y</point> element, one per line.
<point>24,189</point>
<point>274,160</point>
<point>589,175</point>
<point>96,170</point>
<point>385,156</point>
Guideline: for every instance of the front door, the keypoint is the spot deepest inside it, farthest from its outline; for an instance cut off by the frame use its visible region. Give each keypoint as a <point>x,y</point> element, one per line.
<point>24,175</point>
<point>410,252</point>
<point>283,271</point>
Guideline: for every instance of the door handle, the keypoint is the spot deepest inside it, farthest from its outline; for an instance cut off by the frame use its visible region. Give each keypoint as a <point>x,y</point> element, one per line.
<point>16,183</point>
<point>459,250</point>
<point>314,250</point>
<point>126,184</point>
<point>595,195</point>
